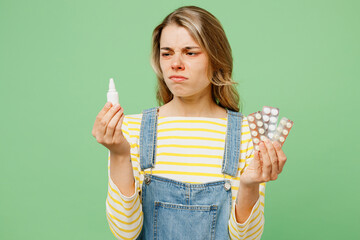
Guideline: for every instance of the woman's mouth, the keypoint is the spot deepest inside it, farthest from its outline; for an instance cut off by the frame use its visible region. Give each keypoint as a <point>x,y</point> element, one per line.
<point>178,79</point>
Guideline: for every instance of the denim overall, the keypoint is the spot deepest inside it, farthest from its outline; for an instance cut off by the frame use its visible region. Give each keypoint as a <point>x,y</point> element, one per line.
<point>179,210</point>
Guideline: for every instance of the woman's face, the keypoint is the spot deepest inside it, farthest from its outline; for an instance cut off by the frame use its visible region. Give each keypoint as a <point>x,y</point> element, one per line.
<point>180,55</point>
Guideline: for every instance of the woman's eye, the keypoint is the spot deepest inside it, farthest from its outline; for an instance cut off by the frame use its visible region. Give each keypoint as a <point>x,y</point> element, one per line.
<point>168,54</point>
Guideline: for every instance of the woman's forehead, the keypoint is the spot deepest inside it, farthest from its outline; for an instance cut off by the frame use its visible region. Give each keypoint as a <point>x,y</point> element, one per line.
<point>174,36</point>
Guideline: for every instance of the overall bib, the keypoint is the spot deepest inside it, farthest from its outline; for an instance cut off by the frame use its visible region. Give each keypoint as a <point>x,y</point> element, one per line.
<point>179,210</point>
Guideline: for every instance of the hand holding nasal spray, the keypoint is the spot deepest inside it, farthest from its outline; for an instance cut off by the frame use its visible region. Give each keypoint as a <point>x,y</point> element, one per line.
<point>120,146</point>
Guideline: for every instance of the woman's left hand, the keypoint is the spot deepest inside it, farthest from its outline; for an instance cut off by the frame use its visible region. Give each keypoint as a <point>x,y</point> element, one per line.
<point>267,164</point>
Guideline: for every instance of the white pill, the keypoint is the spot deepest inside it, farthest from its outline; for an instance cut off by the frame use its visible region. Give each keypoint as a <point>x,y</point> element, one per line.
<point>260,123</point>
<point>258,116</point>
<point>270,135</point>
<point>266,126</point>
<point>272,127</point>
<point>252,126</point>
<point>273,119</point>
<point>266,118</point>
<point>257,148</point>
<point>251,118</point>
<point>254,133</point>
<point>288,125</point>
<point>262,138</point>
<point>283,122</point>
<point>256,140</point>
<point>285,132</point>
<point>261,130</point>
<point>282,139</point>
<point>274,111</point>
<point>266,110</point>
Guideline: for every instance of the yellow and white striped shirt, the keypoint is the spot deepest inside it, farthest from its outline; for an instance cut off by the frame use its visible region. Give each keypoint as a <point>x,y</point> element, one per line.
<point>189,149</point>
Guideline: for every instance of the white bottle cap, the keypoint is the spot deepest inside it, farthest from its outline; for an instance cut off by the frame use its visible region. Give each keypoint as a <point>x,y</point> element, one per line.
<point>112,94</point>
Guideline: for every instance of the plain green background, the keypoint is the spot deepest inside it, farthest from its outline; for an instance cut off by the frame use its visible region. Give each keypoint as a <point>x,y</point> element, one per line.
<point>56,58</point>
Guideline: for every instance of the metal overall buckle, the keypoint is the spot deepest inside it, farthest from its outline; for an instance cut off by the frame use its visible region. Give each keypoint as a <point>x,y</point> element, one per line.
<point>227,185</point>
<point>147,179</point>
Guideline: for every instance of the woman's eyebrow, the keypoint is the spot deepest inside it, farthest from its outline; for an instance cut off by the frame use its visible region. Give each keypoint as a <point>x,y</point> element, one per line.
<point>188,47</point>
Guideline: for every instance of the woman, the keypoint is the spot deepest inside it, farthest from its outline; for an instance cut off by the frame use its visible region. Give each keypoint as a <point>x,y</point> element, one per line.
<point>187,169</point>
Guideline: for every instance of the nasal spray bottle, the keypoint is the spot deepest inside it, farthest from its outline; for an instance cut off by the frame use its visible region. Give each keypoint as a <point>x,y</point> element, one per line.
<point>112,94</point>
<point>113,97</point>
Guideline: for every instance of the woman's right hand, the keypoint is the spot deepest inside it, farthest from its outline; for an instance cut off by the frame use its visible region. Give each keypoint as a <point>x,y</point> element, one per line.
<point>107,129</point>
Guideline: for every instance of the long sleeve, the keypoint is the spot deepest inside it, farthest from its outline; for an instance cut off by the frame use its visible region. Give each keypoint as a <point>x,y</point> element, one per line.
<point>124,214</point>
<point>253,227</point>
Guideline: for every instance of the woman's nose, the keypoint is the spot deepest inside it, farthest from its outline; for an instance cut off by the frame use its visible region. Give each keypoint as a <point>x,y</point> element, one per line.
<point>177,63</point>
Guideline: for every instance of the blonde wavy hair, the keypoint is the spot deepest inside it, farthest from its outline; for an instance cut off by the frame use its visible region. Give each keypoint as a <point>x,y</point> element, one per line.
<point>207,31</point>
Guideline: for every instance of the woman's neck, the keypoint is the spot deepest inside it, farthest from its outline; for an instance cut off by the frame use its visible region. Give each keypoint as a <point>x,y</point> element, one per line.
<point>192,108</point>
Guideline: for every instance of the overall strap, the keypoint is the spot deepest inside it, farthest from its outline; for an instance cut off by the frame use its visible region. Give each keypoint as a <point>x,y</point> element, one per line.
<point>232,143</point>
<point>147,143</point>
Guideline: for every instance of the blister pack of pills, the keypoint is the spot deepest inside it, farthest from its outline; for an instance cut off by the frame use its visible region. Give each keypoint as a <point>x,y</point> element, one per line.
<point>282,131</point>
<point>257,129</point>
<point>264,124</point>
<point>270,117</point>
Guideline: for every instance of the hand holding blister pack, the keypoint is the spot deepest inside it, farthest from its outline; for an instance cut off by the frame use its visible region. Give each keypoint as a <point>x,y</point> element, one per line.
<point>264,124</point>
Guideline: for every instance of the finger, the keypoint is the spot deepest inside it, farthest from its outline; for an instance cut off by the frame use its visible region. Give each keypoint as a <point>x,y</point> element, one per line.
<point>107,117</point>
<point>118,132</point>
<point>273,158</point>
<point>99,117</point>
<point>281,156</point>
<point>266,163</point>
<point>110,129</point>
<point>103,111</point>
